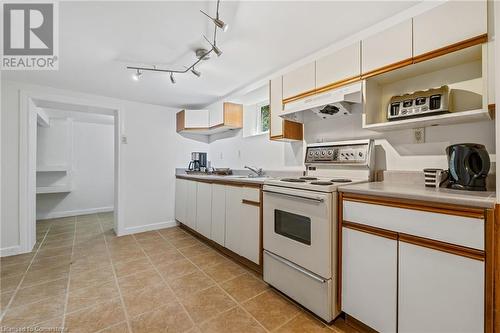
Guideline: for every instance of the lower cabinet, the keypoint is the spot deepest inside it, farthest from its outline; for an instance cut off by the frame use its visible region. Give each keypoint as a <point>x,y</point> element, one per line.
<point>204,209</point>
<point>218,231</point>
<point>180,199</point>
<point>369,279</point>
<point>191,196</point>
<point>439,291</point>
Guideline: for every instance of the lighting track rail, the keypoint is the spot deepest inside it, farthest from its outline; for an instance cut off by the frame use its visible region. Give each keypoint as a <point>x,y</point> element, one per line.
<point>202,54</point>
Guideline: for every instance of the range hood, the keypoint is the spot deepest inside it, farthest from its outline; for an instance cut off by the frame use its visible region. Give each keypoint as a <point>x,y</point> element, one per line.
<point>333,103</point>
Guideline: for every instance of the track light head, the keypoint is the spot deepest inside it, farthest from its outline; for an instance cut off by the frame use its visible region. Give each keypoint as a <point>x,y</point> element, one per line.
<point>172,78</point>
<point>137,75</point>
<point>195,72</point>
<point>217,51</point>
<point>218,22</point>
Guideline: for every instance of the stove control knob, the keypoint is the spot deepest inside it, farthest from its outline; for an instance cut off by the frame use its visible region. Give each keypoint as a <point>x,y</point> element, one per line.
<point>311,153</point>
<point>330,152</point>
<point>360,154</point>
<point>316,153</point>
<point>323,153</point>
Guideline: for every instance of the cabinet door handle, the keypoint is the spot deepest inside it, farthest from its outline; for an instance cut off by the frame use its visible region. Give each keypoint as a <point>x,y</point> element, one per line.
<point>250,202</point>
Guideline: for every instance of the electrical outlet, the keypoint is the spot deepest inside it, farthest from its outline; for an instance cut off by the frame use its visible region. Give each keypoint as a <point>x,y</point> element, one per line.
<point>124,140</point>
<point>419,135</point>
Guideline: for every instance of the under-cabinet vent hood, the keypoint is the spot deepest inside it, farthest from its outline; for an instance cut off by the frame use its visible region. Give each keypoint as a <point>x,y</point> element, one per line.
<point>333,103</point>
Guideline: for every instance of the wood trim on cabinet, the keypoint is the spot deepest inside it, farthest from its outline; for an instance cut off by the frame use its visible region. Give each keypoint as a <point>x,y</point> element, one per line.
<point>222,182</point>
<point>433,207</point>
<point>250,202</point>
<point>370,230</point>
<point>233,114</point>
<point>443,247</point>
<point>338,84</point>
<point>293,130</point>
<point>180,119</point>
<point>388,68</point>
<point>451,48</point>
<point>492,110</point>
<point>340,209</point>
<point>494,295</point>
<point>299,96</point>
<point>242,260</point>
<point>489,271</point>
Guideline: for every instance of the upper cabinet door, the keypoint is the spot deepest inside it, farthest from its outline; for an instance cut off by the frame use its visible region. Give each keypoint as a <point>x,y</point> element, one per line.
<point>216,114</point>
<point>276,106</point>
<point>196,118</point>
<point>447,24</point>
<point>388,47</point>
<point>338,66</point>
<point>299,81</point>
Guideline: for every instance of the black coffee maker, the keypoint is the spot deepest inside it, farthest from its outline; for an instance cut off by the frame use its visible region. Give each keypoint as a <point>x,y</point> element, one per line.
<point>469,164</point>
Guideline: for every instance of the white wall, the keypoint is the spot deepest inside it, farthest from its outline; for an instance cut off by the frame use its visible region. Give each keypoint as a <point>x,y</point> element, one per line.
<point>148,161</point>
<point>91,167</point>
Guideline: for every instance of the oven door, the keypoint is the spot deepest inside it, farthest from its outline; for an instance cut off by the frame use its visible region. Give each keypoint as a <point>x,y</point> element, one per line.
<point>298,227</point>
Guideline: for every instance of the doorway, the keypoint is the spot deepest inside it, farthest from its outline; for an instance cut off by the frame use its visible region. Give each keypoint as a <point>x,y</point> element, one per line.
<point>32,111</point>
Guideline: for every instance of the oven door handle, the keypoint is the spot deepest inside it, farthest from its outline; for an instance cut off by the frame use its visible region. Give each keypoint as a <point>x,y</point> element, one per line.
<point>296,196</point>
<point>296,267</point>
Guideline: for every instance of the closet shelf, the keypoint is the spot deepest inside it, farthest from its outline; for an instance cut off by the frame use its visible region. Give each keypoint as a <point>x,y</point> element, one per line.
<point>54,189</point>
<point>52,168</point>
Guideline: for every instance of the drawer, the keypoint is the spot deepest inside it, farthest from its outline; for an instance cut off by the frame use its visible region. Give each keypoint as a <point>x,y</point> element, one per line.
<point>459,230</point>
<point>250,193</point>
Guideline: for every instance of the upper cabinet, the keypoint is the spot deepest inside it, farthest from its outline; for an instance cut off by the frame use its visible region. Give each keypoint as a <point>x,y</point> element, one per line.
<point>299,81</point>
<point>338,68</point>
<point>450,23</point>
<point>279,128</point>
<point>391,48</point>
<point>218,118</point>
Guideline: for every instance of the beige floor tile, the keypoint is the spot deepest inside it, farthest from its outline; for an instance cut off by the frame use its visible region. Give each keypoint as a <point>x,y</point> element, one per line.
<point>166,257</point>
<point>88,263</point>
<point>152,248</point>
<point>196,250</point>
<point>271,309</point>
<point>33,313</point>
<point>147,299</point>
<point>147,236</point>
<point>208,259</point>
<point>90,278</point>
<point>86,297</point>
<point>118,328</point>
<point>172,233</point>
<point>5,298</point>
<point>224,271</point>
<point>43,253</point>
<point>244,286</point>
<point>13,270</point>
<point>127,254</point>
<point>56,244</point>
<point>40,291</point>
<point>60,236</point>
<point>51,325</point>
<point>37,276</point>
<point>176,269</point>
<point>139,280</point>
<point>304,323</point>
<point>184,242</point>
<point>18,259</point>
<point>170,318</point>
<point>95,318</point>
<point>207,303</point>
<point>51,262</point>
<point>233,321</point>
<point>191,283</point>
<point>130,267</point>
<point>10,283</point>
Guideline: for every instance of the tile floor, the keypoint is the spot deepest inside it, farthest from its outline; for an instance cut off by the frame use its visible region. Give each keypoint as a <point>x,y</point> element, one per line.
<point>85,279</point>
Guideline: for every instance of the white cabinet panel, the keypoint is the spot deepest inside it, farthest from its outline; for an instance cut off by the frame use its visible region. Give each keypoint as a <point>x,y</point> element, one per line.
<point>196,118</point>
<point>204,209</point>
<point>250,230</point>
<point>299,81</point>
<point>216,114</point>
<point>340,65</point>
<point>180,200</point>
<point>233,218</point>
<point>460,230</point>
<point>369,279</point>
<point>191,194</point>
<point>450,23</point>
<point>276,106</point>
<point>218,214</point>
<point>387,47</point>
<point>439,292</point>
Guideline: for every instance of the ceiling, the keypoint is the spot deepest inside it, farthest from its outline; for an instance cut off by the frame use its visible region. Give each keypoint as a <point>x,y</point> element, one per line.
<point>98,39</point>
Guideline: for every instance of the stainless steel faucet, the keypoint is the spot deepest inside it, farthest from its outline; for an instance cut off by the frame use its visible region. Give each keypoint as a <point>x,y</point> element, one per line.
<point>258,171</point>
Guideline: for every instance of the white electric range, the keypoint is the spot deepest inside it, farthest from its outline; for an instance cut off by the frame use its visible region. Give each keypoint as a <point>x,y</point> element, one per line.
<point>300,223</point>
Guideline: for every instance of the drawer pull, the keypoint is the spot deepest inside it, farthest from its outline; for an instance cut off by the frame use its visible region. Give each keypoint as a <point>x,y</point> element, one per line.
<point>296,267</point>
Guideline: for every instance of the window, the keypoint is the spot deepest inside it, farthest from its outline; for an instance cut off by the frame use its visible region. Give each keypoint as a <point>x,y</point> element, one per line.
<point>263,115</point>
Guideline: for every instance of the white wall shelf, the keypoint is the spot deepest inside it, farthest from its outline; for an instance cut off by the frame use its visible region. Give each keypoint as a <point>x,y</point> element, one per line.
<point>66,188</point>
<point>52,168</point>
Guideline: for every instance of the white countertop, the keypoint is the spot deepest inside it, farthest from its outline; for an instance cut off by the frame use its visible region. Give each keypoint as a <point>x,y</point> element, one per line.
<point>230,178</point>
<point>486,199</point>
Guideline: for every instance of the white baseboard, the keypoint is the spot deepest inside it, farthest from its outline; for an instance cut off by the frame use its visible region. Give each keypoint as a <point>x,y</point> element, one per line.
<point>10,251</point>
<point>67,213</point>
<point>148,227</point>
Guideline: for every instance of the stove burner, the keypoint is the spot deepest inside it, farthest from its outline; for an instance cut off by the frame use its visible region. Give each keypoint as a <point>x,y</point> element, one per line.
<point>293,180</point>
<point>321,183</point>
<point>308,178</point>
<point>341,180</point>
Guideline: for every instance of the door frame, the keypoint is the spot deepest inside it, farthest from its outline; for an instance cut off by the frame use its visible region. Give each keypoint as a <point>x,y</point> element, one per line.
<point>27,158</point>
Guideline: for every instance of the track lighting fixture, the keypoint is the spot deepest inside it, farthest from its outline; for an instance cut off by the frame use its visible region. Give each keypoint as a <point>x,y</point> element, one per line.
<point>218,22</point>
<point>195,72</point>
<point>201,54</point>
<point>137,75</point>
<point>214,47</point>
